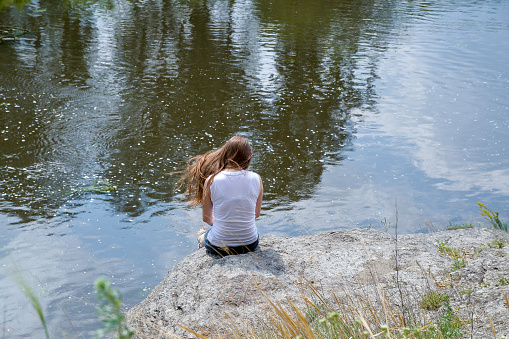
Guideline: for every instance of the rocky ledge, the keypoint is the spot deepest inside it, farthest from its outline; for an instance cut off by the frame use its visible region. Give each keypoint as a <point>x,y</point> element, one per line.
<point>208,294</point>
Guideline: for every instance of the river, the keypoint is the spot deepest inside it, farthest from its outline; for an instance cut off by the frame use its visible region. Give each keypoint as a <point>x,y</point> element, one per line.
<point>360,113</point>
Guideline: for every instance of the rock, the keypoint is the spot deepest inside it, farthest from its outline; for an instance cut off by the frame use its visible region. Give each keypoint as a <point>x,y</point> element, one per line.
<point>207,294</point>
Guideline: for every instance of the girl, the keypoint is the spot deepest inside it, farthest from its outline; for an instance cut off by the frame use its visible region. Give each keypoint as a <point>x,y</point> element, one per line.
<point>230,195</point>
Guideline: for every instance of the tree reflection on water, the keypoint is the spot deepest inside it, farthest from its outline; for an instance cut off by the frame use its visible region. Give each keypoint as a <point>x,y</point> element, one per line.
<point>128,94</point>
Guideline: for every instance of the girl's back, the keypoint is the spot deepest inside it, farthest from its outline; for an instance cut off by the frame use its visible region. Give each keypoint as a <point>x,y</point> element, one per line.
<point>234,196</point>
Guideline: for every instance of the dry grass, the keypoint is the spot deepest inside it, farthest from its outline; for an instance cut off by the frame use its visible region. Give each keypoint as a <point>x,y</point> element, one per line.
<point>334,316</point>
<point>366,312</point>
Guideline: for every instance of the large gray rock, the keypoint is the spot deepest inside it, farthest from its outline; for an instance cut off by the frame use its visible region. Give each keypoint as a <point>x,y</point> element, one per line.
<point>207,293</point>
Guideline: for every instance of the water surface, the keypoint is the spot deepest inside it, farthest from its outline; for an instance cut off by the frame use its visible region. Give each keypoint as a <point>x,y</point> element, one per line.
<point>357,112</point>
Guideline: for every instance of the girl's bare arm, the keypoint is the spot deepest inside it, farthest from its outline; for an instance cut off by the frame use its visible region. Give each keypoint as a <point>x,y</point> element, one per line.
<point>207,208</point>
<point>259,200</point>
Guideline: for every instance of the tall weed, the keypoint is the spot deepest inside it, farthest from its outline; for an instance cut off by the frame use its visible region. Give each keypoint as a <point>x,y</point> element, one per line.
<point>109,310</point>
<point>492,217</point>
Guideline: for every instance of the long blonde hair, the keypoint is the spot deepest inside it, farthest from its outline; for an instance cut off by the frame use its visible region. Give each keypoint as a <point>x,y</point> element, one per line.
<point>236,153</point>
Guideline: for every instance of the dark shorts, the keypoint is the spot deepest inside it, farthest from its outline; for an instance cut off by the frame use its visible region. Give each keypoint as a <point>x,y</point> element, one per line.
<point>224,251</point>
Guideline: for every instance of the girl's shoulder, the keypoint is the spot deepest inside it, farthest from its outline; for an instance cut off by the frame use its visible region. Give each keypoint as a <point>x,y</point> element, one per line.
<point>254,177</point>
<point>224,175</point>
<point>253,174</point>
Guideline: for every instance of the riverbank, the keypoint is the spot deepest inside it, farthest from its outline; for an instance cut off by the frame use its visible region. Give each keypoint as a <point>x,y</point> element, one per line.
<point>411,273</point>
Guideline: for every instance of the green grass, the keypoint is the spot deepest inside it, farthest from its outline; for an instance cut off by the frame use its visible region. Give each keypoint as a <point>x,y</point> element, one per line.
<point>466,291</point>
<point>34,301</point>
<point>458,264</point>
<point>432,301</point>
<point>497,244</point>
<point>109,310</point>
<point>449,325</point>
<point>492,217</point>
<point>454,253</point>
<point>503,281</point>
<point>459,227</point>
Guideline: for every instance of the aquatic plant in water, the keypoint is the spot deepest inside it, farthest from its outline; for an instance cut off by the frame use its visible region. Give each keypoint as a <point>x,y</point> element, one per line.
<point>100,186</point>
<point>10,33</point>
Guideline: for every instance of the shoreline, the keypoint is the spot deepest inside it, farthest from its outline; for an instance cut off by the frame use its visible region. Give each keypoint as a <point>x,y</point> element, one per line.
<point>203,293</point>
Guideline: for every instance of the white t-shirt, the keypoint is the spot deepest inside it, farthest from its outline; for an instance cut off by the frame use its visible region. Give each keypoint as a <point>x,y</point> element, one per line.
<point>234,196</point>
